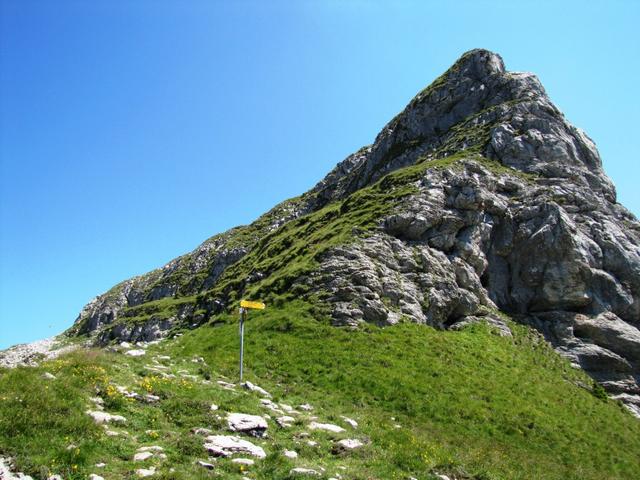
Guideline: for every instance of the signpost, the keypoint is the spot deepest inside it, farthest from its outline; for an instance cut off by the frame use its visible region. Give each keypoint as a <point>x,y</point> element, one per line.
<point>244,306</point>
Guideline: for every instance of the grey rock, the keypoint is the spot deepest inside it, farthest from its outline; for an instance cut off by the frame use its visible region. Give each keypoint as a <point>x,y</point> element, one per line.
<point>327,427</point>
<point>207,465</point>
<point>227,445</point>
<point>146,472</point>
<point>349,444</point>
<point>285,421</point>
<point>350,421</point>
<point>250,424</point>
<point>255,388</point>
<point>103,417</point>
<point>290,454</point>
<point>304,472</point>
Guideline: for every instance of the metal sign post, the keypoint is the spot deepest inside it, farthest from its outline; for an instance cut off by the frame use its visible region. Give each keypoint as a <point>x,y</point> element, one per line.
<point>244,305</point>
<point>243,316</point>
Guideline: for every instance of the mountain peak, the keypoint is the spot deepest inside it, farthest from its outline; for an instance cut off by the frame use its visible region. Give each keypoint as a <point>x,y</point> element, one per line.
<point>480,63</point>
<point>477,107</point>
<point>504,207</point>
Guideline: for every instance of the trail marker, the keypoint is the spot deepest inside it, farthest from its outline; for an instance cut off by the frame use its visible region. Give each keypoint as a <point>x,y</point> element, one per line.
<point>244,306</point>
<point>252,305</point>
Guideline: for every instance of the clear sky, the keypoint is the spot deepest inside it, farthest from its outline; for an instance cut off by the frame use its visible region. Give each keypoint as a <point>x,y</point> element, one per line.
<point>131,130</point>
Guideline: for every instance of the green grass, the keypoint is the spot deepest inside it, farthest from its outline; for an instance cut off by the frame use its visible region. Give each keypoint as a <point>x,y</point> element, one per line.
<point>469,402</point>
<point>157,309</point>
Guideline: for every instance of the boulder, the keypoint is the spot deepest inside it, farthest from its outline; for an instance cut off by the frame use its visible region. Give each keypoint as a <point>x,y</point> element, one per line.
<point>227,445</point>
<point>327,427</point>
<point>103,417</point>
<point>250,424</point>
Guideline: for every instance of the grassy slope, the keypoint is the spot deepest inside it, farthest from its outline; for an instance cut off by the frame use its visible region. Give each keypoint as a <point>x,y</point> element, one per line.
<point>466,401</point>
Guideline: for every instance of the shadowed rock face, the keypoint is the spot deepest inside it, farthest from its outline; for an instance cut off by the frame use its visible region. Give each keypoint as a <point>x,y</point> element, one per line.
<point>524,221</point>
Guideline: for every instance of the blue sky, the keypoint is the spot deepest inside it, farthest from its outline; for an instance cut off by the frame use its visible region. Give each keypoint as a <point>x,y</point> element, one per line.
<point>130,131</point>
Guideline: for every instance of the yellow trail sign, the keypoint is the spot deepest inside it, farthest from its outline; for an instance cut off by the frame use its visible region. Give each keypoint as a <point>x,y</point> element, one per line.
<point>253,305</point>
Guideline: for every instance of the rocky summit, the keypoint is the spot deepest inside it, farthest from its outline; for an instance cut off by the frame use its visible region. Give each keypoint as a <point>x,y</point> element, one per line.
<point>498,205</point>
<point>458,300</point>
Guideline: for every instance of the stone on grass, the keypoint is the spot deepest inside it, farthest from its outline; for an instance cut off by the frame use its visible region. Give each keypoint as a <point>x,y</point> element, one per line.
<point>48,376</point>
<point>255,388</point>
<point>104,417</point>
<point>301,472</point>
<point>290,454</point>
<point>142,456</point>
<point>93,476</point>
<point>201,431</point>
<point>135,353</point>
<point>151,448</point>
<point>285,421</point>
<point>100,465</point>
<point>214,407</point>
<point>350,421</point>
<point>243,461</point>
<point>227,445</point>
<point>347,444</point>
<point>306,407</point>
<point>327,427</point>
<point>146,472</point>
<point>208,466</point>
<point>250,424</point>
<point>270,405</point>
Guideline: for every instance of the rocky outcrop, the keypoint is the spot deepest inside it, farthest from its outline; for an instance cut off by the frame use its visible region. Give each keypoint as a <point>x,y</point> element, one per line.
<point>475,240</point>
<point>107,315</point>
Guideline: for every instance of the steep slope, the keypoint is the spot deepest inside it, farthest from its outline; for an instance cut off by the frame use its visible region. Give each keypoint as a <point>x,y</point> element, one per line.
<point>468,404</point>
<point>478,197</point>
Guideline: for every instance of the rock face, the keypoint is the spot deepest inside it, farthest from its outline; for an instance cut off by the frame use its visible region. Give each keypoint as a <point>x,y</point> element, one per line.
<point>114,316</point>
<point>549,252</point>
<point>509,212</point>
